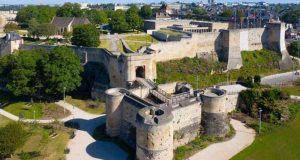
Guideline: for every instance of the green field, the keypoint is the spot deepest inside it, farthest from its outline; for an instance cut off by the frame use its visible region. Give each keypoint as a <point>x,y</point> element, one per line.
<point>283,143</point>
<point>105,43</point>
<point>170,32</point>
<point>91,106</point>
<point>3,121</point>
<point>138,41</point>
<point>261,62</point>
<point>41,144</point>
<point>294,90</point>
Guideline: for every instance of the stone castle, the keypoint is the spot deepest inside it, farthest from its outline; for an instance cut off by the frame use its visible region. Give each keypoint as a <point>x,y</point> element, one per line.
<point>155,120</point>
<point>217,44</point>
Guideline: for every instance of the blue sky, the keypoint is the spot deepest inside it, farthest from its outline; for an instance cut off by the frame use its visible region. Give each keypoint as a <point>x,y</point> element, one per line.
<point>128,1</point>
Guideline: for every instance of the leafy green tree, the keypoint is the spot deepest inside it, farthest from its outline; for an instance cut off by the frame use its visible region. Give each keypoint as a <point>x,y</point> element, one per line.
<point>12,136</point>
<point>292,15</point>
<point>23,75</point>
<point>46,29</point>
<point>43,14</point>
<point>61,70</point>
<point>96,16</point>
<point>294,49</point>
<point>69,10</point>
<point>33,29</point>
<point>146,12</point>
<point>10,27</point>
<point>118,21</point>
<point>86,35</point>
<point>227,13</point>
<point>133,19</point>
<point>199,11</point>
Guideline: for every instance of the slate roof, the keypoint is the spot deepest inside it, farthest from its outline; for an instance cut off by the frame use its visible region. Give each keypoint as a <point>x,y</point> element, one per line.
<point>12,36</point>
<point>66,21</point>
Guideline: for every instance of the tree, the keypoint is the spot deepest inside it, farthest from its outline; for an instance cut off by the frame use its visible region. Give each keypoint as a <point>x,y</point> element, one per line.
<point>118,21</point>
<point>97,17</point>
<point>69,10</point>
<point>46,29</point>
<point>12,136</point>
<point>33,28</point>
<point>61,70</point>
<point>10,27</point>
<point>146,12</point>
<point>133,19</point>
<point>294,49</point>
<point>86,35</point>
<point>227,13</point>
<point>199,11</point>
<point>23,75</point>
<point>42,14</point>
<point>292,15</point>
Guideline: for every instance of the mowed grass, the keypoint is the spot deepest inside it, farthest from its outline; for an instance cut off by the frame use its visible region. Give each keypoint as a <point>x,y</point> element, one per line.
<point>91,106</point>
<point>142,38</point>
<point>294,90</point>
<point>281,144</point>
<point>105,43</point>
<point>137,41</point>
<point>42,145</point>
<point>4,121</point>
<point>26,110</point>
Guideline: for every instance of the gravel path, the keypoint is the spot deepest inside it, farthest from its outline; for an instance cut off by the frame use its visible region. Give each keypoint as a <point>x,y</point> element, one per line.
<point>225,150</point>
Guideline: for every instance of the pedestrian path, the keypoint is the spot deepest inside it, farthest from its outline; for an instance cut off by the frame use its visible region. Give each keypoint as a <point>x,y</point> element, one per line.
<point>225,150</point>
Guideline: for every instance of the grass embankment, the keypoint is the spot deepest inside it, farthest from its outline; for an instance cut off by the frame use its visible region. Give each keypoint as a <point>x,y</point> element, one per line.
<point>279,143</point>
<point>199,143</point>
<point>261,62</point>
<point>24,108</point>
<point>46,142</point>
<point>105,43</point>
<point>91,106</point>
<point>138,41</point>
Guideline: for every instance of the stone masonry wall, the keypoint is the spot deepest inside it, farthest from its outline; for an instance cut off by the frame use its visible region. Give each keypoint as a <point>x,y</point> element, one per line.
<point>186,123</point>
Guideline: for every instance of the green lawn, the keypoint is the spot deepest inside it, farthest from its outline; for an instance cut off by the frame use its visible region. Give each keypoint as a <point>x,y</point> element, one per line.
<point>170,32</point>
<point>105,43</point>
<point>295,90</point>
<point>91,106</point>
<point>27,110</point>
<point>142,38</point>
<point>283,143</point>
<point>41,145</point>
<point>120,46</point>
<point>3,121</point>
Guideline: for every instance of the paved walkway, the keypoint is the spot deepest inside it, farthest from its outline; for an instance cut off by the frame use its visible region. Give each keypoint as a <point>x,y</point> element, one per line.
<point>280,78</point>
<point>226,150</point>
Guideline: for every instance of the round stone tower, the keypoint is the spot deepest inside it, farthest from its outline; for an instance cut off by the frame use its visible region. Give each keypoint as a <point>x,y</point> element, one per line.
<point>214,116</point>
<point>154,134</point>
<point>114,97</point>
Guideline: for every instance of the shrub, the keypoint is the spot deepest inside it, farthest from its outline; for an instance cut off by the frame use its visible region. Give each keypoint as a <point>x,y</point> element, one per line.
<point>12,136</point>
<point>257,79</point>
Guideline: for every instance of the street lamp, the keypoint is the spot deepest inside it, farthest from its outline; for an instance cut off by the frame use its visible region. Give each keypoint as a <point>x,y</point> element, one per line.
<point>34,115</point>
<point>260,111</point>
<point>64,99</point>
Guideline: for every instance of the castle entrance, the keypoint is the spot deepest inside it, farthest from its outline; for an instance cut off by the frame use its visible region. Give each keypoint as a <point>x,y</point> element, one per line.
<point>140,71</point>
